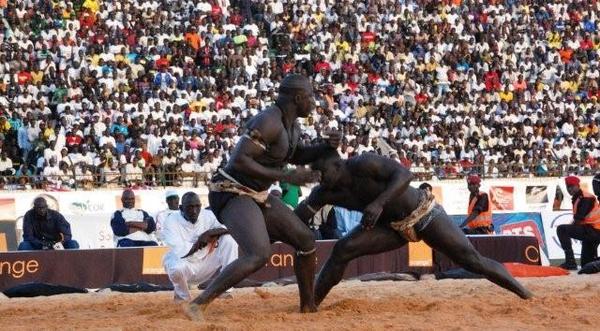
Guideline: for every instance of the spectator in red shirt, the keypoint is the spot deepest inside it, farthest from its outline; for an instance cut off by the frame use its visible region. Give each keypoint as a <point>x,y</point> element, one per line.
<point>322,65</point>
<point>492,80</point>
<point>251,40</point>
<point>162,62</point>
<point>586,43</point>
<point>289,65</point>
<point>215,11</point>
<point>24,77</point>
<point>145,154</point>
<point>72,139</point>
<point>86,19</point>
<point>367,38</point>
<point>236,18</point>
<point>421,98</point>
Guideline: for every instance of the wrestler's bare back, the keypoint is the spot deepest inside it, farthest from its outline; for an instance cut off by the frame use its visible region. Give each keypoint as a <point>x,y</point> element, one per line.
<point>365,178</point>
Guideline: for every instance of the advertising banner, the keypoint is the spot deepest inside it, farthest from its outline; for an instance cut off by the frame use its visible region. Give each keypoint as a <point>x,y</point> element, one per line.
<point>89,212</point>
<point>98,268</point>
<point>551,222</point>
<point>502,197</point>
<point>520,224</point>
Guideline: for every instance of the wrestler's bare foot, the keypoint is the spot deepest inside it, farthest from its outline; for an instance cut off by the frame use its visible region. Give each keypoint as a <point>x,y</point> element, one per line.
<point>193,311</point>
<point>526,295</point>
<point>308,309</point>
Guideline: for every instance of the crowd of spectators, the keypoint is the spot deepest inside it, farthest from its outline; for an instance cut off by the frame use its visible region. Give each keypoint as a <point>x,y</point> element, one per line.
<point>149,92</point>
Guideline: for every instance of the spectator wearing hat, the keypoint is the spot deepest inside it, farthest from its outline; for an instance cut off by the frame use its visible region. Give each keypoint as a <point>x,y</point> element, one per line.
<point>172,200</point>
<point>479,213</point>
<point>585,226</point>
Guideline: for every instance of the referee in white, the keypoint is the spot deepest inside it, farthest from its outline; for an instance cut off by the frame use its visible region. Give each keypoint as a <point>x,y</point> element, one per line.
<point>199,245</point>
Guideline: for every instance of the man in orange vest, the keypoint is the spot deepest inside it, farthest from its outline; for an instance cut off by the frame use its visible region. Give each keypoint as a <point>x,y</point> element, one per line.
<point>479,218</point>
<point>585,226</point>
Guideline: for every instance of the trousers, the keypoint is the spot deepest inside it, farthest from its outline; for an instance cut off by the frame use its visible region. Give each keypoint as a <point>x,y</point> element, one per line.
<point>30,246</point>
<point>590,238</point>
<point>183,272</point>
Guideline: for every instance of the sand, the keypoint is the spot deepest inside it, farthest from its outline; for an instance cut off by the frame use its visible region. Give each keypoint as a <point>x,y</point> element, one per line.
<point>561,303</point>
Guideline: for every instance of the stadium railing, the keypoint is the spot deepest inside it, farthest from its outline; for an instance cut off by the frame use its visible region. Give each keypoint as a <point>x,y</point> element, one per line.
<point>161,178</point>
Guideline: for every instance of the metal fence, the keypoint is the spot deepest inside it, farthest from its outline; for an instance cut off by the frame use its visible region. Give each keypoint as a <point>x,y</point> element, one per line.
<point>104,179</point>
<point>159,178</point>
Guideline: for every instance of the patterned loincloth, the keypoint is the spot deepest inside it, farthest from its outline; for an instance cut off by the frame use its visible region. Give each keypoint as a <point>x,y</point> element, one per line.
<point>405,227</point>
<point>230,185</point>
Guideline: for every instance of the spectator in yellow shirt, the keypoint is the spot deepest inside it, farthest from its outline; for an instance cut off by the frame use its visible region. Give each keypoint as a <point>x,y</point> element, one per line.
<point>506,95</point>
<point>91,5</point>
<point>4,125</point>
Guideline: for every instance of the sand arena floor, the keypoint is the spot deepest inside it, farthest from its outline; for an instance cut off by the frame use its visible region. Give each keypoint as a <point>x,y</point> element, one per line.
<point>561,303</point>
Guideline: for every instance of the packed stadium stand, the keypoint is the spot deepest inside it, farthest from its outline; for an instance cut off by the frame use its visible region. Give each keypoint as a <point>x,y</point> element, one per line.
<point>100,93</point>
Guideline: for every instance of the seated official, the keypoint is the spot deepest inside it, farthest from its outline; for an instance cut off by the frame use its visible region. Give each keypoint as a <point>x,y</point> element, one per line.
<point>132,227</point>
<point>45,228</point>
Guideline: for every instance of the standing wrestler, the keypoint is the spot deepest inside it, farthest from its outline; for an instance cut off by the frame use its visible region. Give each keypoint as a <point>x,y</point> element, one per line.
<point>239,193</point>
<point>394,213</point>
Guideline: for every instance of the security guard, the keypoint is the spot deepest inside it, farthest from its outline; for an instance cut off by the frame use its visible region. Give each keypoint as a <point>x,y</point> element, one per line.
<point>479,218</point>
<point>585,226</point>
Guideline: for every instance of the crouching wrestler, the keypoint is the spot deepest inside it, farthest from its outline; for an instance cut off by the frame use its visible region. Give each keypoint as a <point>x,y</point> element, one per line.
<point>394,213</point>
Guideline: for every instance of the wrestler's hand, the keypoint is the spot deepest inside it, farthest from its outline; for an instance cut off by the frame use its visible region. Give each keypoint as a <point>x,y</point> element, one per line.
<point>301,176</point>
<point>371,215</point>
<point>210,236</point>
<point>333,138</point>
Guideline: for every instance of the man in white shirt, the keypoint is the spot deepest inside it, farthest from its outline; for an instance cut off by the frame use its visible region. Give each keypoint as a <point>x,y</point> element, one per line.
<point>52,172</point>
<point>6,165</point>
<point>172,200</point>
<point>200,245</point>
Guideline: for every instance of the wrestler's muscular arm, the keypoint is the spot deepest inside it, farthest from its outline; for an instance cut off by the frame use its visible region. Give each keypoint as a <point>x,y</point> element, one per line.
<point>381,169</point>
<point>308,154</point>
<point>270,128</point>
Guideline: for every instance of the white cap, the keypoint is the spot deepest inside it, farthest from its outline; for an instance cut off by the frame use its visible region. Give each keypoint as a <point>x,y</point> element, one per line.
<point>171,194</point>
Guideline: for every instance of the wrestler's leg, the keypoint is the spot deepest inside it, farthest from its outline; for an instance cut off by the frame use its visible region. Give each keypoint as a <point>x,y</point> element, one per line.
<point>357,243</point>
<point>444,236</point>
<point>284,225</point>
<point>246,224</point>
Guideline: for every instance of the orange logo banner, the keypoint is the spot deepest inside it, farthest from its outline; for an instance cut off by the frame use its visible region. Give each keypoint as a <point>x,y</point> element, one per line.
<point>419,254</point>
<point>152,261</point>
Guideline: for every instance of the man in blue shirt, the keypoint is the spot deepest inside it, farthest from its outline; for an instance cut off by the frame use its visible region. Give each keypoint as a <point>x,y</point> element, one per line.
<point>132,227</point>
<point>45,228</point>
<point>347,220</point>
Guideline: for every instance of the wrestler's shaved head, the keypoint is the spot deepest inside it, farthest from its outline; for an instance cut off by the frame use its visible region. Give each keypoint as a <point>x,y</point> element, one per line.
<point>293,84</point>
<point>297,91</point>
<point>324,160</point>
<point>331,167</point>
